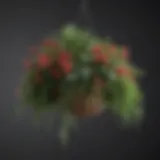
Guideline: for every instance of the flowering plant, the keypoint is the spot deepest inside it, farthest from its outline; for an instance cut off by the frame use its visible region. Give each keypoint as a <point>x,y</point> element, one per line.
<point>75,69</point>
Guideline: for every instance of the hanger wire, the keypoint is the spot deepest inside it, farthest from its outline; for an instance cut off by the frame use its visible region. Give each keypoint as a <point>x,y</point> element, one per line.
<point>84,15</point>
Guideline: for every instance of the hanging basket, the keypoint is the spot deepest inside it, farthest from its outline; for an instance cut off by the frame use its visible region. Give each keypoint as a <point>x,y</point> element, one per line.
<point>80,74</point>
<point>91,104</point>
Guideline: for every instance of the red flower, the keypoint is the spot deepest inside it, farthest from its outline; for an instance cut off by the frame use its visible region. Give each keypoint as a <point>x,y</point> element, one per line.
<point>125,53</point>
<point>44,61</point>
<point>113,48</point>
<point>122,71</point>
<point>65,62</point>
<point>49,43</point>
<point>96,49</point>
<point>98,55</point>
<point>100,58</point>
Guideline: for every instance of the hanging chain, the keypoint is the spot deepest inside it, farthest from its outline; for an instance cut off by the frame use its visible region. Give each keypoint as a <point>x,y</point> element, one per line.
<point>84,16</point>
<point>83,6</point>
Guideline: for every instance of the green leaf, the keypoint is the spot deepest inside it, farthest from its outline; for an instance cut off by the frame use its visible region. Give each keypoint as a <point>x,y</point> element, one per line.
<point>68,123</point>
<point>127,99</point>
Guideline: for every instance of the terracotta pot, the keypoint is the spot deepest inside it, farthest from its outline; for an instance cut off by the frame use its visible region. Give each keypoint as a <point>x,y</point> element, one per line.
<point>88,105</point>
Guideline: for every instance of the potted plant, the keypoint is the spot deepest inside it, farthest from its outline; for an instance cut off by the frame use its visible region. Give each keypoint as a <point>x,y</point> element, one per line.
<point>80,75</point>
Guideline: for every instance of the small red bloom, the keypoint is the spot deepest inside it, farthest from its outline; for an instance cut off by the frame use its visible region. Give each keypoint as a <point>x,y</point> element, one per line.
<point>100,58</point>
<point>65,62</point>
<point>67,66</point>
<point>49,43</point>
<point>65,56</point>
<point>44,61</point>
<point>122,71</point>
<point>96,49</point>
<point>113,48</point>
<point>125,53</point>
<point>98,55</point>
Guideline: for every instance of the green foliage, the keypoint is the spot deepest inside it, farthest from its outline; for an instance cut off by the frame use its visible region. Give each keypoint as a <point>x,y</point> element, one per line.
<point>68,122</point>
<point>127,99</point>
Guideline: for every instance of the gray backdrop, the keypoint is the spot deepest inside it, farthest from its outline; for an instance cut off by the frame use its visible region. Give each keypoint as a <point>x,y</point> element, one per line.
<point>23,24</point>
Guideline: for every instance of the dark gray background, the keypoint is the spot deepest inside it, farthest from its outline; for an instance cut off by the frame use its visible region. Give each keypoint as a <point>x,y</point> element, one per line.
<point>23,24</point>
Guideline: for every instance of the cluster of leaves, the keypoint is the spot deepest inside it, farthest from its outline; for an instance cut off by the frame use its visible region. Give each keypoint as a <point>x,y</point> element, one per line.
<point>71,62</point>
